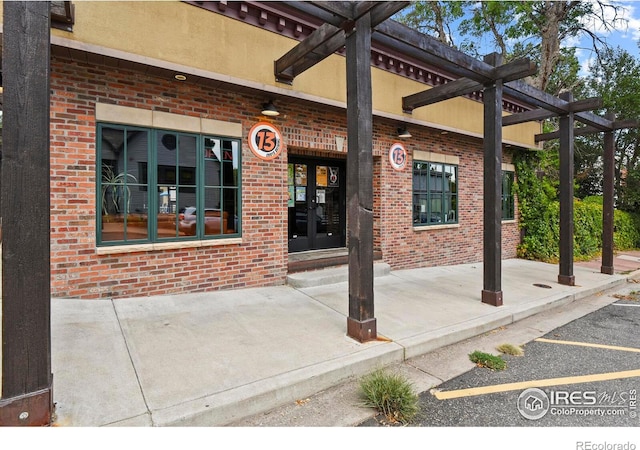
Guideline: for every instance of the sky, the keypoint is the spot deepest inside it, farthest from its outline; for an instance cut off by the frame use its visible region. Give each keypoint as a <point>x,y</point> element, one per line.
<point>625,35</point>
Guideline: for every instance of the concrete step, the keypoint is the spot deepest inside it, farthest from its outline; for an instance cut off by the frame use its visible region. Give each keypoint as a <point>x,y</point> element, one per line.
<point>330,275</point>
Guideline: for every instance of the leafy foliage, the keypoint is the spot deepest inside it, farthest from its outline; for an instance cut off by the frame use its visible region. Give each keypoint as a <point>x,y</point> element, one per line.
<point>537,216</point>
<point>487,360</point>
<point>540,217</point>
<point>391,394</point>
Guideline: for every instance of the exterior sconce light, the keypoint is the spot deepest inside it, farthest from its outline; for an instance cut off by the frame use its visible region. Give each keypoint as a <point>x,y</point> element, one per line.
<point>268,109</point>
<point>403,133</point>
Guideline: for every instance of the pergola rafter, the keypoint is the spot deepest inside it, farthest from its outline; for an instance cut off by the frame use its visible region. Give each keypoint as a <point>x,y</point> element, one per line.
<point>331,36</point>
<point>514,70</point>
<point>583,131</point>
<point>587,104</point>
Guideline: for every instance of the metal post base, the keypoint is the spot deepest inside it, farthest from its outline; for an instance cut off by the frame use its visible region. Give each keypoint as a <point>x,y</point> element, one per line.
<point>607,270</point>
<point>34,409</point>
<point>362,331</point>
<point>567,280</point>
<point>493,298</point>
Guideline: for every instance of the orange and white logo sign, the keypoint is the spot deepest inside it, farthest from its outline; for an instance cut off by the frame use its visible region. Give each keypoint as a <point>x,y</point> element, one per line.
<point>265,141</point>
<point>398,156</point>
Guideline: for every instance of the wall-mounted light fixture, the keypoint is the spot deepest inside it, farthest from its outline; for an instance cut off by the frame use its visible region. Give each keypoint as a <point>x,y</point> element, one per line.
<point>403,133</point>
<point>268,109</point>
<point>180,77</point>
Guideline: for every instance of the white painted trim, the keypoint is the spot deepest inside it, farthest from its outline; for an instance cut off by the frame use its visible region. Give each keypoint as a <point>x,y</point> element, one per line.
<point>158,119</point>
<point>437,227</point>
<point>135,248</point>
<point>420,155</point>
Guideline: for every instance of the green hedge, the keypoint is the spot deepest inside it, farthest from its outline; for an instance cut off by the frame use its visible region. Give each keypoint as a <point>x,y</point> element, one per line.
<point>541,242</point>
<point>540,217</point>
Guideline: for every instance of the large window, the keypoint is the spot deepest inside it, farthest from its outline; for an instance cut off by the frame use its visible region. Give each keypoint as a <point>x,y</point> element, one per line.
<point>158,185</point>
<point>508,199</point>
<point>435,193</point>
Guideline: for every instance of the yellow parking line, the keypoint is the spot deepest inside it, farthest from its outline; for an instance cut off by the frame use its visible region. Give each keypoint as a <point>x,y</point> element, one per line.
<point>447,395</point>
<point>586,344</point>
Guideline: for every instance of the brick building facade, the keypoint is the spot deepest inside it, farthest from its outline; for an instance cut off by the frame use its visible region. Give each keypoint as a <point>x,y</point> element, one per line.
<point>91,94</point>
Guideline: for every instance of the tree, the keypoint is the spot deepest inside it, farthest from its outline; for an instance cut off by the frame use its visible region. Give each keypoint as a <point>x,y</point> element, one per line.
<point>435,18</point>
<point>539,30</point>
<point>615,77</point>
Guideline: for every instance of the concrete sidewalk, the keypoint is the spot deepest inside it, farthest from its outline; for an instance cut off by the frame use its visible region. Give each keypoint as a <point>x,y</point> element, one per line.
<point>217,358</point>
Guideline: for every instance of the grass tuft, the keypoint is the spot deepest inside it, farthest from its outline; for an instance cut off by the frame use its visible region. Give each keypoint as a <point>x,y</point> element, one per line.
<point>509,349</point>
<point>487,360</point>
<point>391,394</point>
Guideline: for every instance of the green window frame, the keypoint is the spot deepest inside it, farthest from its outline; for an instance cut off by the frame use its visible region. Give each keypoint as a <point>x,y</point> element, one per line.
<point>155,185</point>
<point>508,198</point>
<point>435,193</point>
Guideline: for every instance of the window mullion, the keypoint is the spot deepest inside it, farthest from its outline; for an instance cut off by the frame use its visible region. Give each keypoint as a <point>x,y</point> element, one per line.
<point>152,176</point>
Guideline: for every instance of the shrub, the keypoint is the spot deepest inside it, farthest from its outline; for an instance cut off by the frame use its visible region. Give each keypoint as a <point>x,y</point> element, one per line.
<point>487,360</point>
<point>391,394</point>
<point>593,199</point>
<point>626,231</point>
<point>509,349</point>
<point>540,217</point>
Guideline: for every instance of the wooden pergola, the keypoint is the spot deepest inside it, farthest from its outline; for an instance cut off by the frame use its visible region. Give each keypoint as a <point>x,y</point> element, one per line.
<point>27,382</point>
<point>358,24</point>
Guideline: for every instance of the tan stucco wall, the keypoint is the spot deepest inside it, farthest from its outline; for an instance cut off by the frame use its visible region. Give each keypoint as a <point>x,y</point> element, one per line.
<point>188,36</point>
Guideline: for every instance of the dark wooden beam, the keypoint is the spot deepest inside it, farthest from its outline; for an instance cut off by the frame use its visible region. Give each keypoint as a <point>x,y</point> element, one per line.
<point>586,104</point>
<point>527,116</point>
<point>428,50</point>
<point>330,37</point>
<point>523,92</point>
<point>378,11</point>
<point>311,59</point>
<point>361,323</point>
<point>463,86</point>
<point>514,70</point>
<point>608,177</point>
<point>492,217</point>
<point>431,51</point>
<point>313,10</point>
<point>344,10</point>
<point>452,89</point>
<point>583,131</point>
<point>284,66</point>
<point>566,275</point>
<point>384,10</point>
<point>26,293</point>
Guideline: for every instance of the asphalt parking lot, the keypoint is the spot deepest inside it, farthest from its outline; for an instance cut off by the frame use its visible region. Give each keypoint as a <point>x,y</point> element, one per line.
<point>583,374</point>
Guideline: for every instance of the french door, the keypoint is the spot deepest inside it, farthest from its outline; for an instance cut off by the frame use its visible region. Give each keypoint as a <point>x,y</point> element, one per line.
<point>317,199</point>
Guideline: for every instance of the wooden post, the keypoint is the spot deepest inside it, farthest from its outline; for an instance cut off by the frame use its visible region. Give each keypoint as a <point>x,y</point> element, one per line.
<point>492,246</point>
<point>607,200</point>
<point>361,324</point>
<point>26,328</point>
<point>566,275</point>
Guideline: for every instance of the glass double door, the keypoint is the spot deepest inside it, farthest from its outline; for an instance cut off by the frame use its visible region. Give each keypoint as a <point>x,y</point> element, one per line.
<point>317,198</point>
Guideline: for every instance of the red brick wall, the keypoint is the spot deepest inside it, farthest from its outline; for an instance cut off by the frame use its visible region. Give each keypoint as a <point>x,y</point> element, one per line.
<point>406,247</point>
<point>261,258</point>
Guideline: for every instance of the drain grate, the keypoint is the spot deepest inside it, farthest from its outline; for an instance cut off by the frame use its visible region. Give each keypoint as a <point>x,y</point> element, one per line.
<point>540,285</point>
